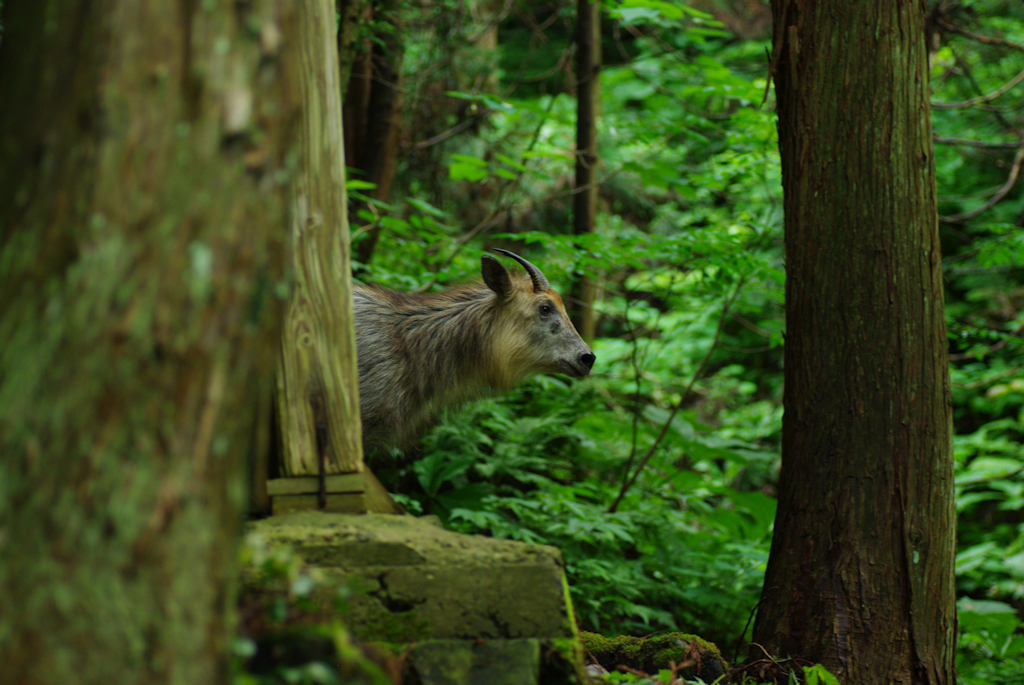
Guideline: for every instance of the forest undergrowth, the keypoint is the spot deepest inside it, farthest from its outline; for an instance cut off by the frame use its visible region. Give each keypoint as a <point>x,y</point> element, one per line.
<point>656,475</point>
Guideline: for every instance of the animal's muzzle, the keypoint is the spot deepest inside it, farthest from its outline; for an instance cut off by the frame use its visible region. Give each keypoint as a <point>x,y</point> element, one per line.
<point>578,366</point>
<point>586,360</point>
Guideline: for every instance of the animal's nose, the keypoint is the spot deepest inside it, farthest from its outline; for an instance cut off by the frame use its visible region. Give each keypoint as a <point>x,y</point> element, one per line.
<point>587,359</point>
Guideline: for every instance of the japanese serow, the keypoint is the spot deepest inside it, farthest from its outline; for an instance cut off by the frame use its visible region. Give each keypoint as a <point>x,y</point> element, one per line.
<point>421,353</point>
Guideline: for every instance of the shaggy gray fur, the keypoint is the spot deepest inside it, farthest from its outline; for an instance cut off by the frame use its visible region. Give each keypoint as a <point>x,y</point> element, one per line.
<point>421,353</point>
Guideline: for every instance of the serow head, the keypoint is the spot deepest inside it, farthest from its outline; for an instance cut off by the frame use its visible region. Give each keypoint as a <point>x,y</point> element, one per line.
<point>533,331</point>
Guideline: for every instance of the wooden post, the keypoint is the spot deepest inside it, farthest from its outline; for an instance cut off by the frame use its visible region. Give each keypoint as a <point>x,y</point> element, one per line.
<point>317,380</point>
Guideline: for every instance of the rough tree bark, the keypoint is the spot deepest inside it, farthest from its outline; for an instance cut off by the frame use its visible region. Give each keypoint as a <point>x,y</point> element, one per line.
<point>373,111</point>
<point>860,576</point>
<point>350,17</point>
<point>142,223</point>
<point>584,213</point>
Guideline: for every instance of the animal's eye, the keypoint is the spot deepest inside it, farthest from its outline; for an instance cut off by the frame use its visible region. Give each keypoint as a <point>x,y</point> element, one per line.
<point>545,309</point>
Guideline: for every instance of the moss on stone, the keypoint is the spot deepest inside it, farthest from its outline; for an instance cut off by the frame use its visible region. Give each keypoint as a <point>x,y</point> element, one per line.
<point>657,652</point>
<point>412,579</point>
<point>392,628</point>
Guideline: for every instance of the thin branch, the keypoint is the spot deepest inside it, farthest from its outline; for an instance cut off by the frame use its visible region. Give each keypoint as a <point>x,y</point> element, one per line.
<point>983,98</point>
<point>1005,268</point>
<point>1000,194</point>
<point>738,646</point>
<point>1012,372</point>
<point>991,348</point>
<point>749,325</point>
<point>634,362</point>
<point>968,73</point>
<point>974,143</point>
<point>457,128</point>
<point>977,36</point>
<point>667,52</point>
<point>503,205</point>
<point>679,404</point>
<point>636,359</point>
<point>537,36</point>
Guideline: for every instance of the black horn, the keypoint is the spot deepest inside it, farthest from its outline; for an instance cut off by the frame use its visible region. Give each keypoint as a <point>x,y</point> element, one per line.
<point>540,282</point>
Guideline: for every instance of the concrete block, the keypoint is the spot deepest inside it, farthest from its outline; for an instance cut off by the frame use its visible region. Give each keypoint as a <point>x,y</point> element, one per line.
<point>420,581</point>
<point>463,662</point>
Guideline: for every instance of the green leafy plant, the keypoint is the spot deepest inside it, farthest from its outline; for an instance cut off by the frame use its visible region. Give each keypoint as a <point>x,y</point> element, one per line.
<point>690,220</point>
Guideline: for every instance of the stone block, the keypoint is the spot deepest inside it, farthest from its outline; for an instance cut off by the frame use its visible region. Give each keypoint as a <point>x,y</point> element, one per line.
<point>415,580</point>
<point>464,662</point>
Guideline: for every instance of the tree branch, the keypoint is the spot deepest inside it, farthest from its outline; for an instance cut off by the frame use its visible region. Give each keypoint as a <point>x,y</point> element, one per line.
<point>1000,194</point>
<point>974,143</point>
<point>977,36</point>
<point>983,98</point>
<point>628,483</point>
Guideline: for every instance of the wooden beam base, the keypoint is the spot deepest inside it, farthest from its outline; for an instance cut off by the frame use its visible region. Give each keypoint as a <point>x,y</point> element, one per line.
<point>346,493</point>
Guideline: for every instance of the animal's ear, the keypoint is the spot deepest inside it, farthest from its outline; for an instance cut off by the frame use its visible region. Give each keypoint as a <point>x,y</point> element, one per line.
<point>496,277</point>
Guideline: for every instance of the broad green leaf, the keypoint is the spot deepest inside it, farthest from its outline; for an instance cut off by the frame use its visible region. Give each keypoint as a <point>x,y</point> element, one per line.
<point>464,167</point>
<point>988,468</point>
<point>981,614</point>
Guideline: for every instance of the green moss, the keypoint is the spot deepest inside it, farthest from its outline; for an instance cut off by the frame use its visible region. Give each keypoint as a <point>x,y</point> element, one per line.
<point>391,628</point>
<point>652,654</point>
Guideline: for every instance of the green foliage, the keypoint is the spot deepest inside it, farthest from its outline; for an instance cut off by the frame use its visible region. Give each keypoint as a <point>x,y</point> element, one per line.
<point>289,637</point>
<point>984,252</point>
<point>991,646</point>
<point>813,675</point>
<point>545,463</point>
<point>690,222</point>
<point>533,466</point>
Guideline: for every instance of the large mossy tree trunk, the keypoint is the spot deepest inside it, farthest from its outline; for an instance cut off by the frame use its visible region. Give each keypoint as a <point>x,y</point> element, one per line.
<point>860,576</point>
<point>143,210</point>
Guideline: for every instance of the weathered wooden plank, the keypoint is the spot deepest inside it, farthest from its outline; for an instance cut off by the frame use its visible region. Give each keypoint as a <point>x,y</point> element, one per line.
<point>310,485</point>
<point>349,503</point>
<point>318,383</point>
<point>379,500</point>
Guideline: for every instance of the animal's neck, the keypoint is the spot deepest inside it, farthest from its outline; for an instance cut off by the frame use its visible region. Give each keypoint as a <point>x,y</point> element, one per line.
<point>453,340</point>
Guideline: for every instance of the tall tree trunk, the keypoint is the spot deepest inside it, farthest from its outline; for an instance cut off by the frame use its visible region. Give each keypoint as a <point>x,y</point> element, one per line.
<point>860,576</point>
<point>318,383</point>
<point>143,224</point>
<point>373,112</point>
<point>350,16</point>
<point>588,63</point>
